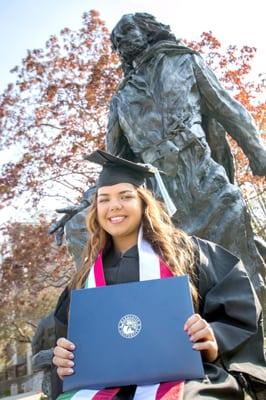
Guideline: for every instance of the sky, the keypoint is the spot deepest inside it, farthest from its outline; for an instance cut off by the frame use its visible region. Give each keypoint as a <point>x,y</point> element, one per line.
<point>27,24</point>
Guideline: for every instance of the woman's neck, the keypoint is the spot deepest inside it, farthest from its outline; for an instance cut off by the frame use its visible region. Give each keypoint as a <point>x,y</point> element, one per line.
<point>121,245</point>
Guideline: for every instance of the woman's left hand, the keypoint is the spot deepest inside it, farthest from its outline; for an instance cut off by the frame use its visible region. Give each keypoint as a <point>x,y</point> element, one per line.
<point>202,335</point>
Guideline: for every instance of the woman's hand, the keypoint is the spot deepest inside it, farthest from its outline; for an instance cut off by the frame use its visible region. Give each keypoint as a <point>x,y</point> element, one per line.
<point>63,357</point>
<point>201,334</point>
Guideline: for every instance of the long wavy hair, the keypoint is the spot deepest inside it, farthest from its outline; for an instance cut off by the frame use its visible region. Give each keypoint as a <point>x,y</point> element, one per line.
<point>174,246</point>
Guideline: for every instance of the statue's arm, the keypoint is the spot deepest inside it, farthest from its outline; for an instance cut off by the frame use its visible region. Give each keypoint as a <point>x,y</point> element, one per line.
<point>114,132</point>
<point>116,141</point>
<point>69,212</point>
<point>231,115</point>
<point>37,340</point>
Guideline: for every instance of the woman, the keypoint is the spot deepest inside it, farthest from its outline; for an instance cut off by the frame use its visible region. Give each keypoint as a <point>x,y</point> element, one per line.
<point>226,327</point>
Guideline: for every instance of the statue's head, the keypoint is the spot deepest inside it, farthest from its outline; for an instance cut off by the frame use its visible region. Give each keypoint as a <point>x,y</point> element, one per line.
<point>135,32</point>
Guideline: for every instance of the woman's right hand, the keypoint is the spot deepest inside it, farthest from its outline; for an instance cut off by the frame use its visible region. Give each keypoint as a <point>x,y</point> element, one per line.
<point>63,357</point>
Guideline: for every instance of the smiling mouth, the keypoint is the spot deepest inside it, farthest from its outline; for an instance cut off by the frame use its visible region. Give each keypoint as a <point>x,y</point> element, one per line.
<point>116,220</point>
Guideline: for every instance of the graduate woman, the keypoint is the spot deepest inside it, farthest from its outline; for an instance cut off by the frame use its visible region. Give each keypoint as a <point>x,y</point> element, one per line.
<point>226,327</point>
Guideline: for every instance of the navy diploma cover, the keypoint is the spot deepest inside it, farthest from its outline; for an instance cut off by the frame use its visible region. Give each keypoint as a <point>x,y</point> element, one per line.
<point>132,333</point>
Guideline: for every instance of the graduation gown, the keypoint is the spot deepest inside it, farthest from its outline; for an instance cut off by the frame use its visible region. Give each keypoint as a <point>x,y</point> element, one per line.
<point>230,305</point>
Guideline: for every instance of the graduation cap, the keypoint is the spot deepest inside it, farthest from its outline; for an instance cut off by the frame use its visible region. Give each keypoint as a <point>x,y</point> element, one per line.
<point>117,170</point>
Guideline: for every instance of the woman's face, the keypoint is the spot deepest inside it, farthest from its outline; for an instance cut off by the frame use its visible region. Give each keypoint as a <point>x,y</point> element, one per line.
<point>119,211</point>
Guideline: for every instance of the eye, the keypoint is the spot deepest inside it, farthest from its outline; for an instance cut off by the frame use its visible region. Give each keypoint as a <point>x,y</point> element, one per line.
<point>127,197</point>
<point>103,200</point>
<point>128,28</point>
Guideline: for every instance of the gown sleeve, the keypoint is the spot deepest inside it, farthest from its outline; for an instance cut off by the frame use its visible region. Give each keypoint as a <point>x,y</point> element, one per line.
<point>229,303</point>
<point>61,321</point>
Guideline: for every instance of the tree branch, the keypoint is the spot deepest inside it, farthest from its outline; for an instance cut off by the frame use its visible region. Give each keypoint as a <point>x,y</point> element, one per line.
<point>51,126</point>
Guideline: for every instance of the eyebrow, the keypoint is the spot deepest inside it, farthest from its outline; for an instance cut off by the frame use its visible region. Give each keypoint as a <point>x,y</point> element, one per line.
<point>122,192</point>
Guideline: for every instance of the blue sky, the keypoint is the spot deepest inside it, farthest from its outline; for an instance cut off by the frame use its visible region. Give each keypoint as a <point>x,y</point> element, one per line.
<point>27,24</point>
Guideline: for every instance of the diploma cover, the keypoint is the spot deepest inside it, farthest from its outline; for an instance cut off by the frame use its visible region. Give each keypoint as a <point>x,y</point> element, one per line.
<point>132,333</point>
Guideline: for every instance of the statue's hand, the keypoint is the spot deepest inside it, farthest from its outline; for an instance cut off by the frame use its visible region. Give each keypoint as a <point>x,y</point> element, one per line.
<point>58,226</point>
<point>70,211</point>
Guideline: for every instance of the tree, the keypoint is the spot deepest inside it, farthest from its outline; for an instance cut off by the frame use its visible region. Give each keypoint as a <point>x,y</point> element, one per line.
<point>56,112</point>
<point>33,271</point>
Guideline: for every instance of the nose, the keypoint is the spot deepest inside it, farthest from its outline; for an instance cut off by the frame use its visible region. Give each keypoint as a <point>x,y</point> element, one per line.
<point>115,205</point>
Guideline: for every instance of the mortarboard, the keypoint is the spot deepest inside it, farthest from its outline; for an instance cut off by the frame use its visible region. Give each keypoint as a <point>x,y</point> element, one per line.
<point>117,170</point>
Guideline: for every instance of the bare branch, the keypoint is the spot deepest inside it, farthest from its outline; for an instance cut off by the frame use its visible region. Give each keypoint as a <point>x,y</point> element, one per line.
<point>31,324</point>
<point>51,126</point>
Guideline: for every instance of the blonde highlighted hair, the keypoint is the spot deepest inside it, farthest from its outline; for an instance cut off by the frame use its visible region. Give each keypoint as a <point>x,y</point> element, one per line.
<point>174,246</point>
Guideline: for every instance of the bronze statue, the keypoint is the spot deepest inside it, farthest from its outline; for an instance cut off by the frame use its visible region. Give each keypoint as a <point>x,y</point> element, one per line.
<point>171,111</point>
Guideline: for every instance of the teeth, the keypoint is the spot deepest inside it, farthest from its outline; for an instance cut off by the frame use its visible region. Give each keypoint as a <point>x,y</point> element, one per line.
<point>117,219</point>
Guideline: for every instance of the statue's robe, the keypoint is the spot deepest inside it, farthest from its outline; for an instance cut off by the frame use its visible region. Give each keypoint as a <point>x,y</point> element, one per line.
<point>227,301</point>
<point>172,112</point>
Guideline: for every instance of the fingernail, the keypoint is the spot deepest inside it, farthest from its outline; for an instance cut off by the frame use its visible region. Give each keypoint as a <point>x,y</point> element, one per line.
<point>72,346</point>
<point>71,356</point>
<point>194,346</point>
<point>185,327</point>
<point>191,338</point>
<point>70,363</point>
<point>70,371</point>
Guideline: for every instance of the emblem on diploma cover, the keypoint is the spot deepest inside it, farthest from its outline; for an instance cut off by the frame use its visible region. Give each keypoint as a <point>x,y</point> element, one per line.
<point>129,326</point>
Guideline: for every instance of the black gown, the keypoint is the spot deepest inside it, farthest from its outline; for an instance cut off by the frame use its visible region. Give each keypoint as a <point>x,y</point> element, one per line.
<point>227,301</point>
